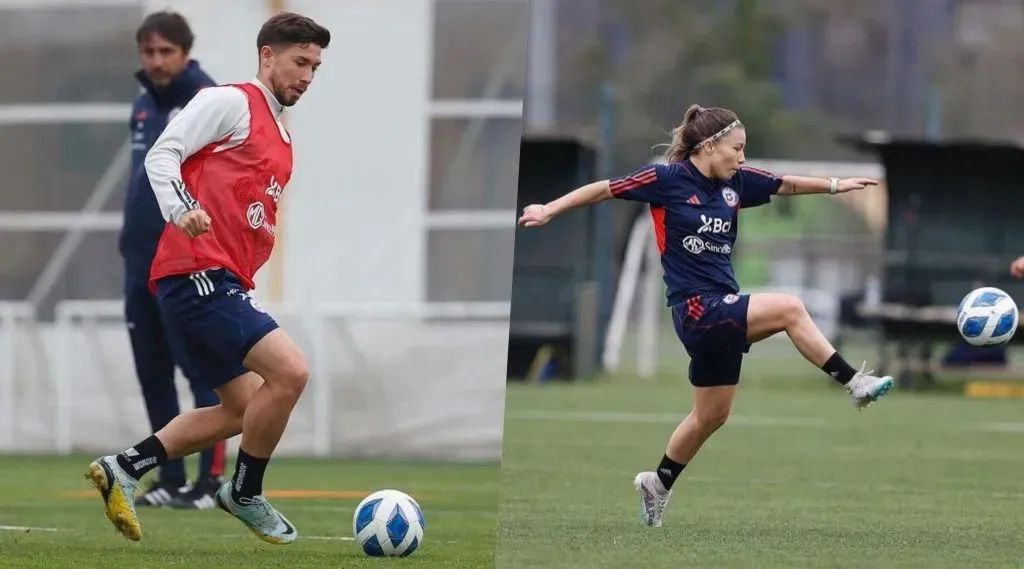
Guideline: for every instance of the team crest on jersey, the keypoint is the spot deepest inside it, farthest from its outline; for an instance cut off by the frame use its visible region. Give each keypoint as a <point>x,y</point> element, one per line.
<point>730,298</point>
<point>255,304</point>
<point>730,196</point>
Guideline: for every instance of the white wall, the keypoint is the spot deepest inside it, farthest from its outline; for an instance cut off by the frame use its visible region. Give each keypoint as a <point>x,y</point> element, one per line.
<point>360,183</point>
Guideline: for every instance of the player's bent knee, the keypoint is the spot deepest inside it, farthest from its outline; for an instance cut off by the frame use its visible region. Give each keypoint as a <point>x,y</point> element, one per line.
<point>293,378</point>
<point>713,419</point>
<point>788,309</point>
<point>712,406</point>
<point>280,362</point>
<point>793,307</point>
<point>775,311</point>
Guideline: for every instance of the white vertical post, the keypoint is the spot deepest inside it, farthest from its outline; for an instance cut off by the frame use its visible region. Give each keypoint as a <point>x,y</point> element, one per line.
<point>62,381</point>
<point>650,303</point>
<point>625,292</point>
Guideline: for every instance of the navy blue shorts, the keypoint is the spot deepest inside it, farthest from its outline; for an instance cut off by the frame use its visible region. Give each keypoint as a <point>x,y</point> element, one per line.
<point>713,329</point>
<point>216,322</point>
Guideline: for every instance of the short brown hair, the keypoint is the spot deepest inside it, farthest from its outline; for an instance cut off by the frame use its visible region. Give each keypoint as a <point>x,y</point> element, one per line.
<point>699,124</point>
<point>288,28</point>
<point>170,25</point>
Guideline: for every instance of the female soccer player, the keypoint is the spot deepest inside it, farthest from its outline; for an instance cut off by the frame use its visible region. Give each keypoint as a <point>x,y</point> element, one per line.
<point>694,200</point>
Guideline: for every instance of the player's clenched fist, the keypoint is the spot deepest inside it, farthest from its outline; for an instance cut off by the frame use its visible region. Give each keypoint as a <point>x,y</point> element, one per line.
<point>194,223</point>
<point>534,215</point>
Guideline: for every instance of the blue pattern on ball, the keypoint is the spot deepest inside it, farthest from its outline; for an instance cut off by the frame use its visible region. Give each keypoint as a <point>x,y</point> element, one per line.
<point>397,526</point>
<point>974,326</point>
<point>372,547</point>
<point>1005,323</point>
<point>422,520</point>
<point>366,515</point>
<point>987,299</point>
<point>412,547</point>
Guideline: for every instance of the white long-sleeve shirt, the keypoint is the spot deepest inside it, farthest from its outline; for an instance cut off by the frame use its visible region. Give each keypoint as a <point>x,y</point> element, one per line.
<point>215,113</point>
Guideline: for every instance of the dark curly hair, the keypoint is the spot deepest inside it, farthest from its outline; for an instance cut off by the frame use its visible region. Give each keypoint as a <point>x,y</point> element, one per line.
<point>287,28</point>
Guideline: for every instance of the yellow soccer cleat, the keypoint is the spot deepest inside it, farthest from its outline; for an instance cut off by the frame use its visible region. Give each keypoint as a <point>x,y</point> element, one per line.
<point>117,489</point>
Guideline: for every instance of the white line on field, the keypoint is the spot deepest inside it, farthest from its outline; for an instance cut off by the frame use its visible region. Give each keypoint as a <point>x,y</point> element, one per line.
<point>627,475</point>
<point>26,528</point>
<point>658,418</point>
<point>317,537</point>
<point>734,420</point>
<point>321,537</point>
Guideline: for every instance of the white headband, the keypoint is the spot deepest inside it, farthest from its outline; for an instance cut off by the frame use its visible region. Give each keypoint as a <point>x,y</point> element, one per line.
<point>720,133</point>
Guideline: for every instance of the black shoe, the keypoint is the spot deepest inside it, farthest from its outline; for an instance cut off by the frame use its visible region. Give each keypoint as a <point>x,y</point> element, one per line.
<point>160,493</point>
<point>200,496</point>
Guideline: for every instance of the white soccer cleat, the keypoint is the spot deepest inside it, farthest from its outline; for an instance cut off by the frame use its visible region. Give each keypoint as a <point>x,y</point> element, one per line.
<point>653,498</point>
<point>865,388</point>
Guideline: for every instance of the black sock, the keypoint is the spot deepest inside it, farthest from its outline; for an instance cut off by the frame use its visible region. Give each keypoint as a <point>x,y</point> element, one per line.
<point>840,371</point>
<point>143,457</point>
<point>668,471</point>
<point>248,479</point>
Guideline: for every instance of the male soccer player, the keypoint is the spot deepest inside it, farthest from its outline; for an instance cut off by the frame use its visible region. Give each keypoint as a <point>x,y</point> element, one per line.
<point>169,79</point>
<point>218,171</point>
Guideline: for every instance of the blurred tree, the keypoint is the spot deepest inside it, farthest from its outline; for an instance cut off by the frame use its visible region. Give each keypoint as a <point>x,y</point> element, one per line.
<point>682,52</point>
<point>980,96</point>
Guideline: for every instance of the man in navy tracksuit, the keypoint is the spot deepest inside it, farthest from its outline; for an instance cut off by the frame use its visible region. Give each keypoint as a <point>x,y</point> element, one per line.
<point>169,79</point>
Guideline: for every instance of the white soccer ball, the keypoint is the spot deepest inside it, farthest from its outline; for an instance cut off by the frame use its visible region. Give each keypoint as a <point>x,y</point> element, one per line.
<point>388,523</point>
<point>987,317</point>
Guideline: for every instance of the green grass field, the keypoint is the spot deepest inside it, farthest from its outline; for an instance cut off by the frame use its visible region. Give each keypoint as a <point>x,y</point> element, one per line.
<point>68,529</point>
<point>798,478</point>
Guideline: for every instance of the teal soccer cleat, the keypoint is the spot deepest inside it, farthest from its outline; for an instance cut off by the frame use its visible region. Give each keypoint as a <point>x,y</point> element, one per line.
<point>258,515</point>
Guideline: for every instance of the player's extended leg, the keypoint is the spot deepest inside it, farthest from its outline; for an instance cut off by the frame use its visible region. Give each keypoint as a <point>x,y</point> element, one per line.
<point>711,408</point>
<point>116,477</point>
<point>771,313</point>
<point>284,368</point>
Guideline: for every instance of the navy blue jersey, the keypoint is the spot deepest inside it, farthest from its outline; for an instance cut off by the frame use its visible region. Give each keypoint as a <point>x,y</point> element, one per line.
<point>695,221</point>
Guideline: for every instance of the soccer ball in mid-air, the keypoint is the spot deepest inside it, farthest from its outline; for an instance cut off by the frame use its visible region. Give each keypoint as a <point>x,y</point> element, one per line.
<point>388,523</point>
<point>987,316</point>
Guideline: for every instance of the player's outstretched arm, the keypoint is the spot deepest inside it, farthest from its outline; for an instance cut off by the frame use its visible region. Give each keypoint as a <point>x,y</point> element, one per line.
<point>803,185</point>
<point>539,214</point>
<point>214,114</point>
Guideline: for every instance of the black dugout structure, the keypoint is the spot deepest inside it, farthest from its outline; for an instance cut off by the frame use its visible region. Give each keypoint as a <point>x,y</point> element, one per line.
<point>553,296</point>
<point>953,225</point>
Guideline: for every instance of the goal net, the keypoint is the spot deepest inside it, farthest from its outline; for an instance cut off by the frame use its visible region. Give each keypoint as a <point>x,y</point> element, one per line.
<point>401,381</point>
